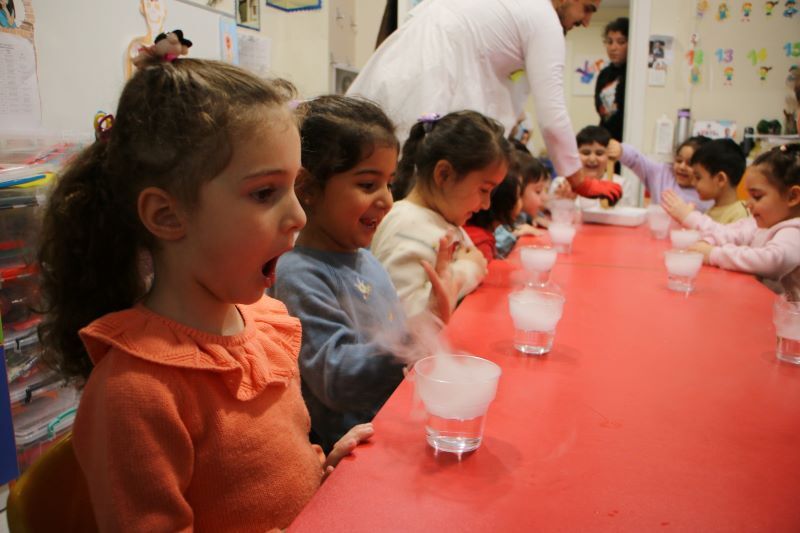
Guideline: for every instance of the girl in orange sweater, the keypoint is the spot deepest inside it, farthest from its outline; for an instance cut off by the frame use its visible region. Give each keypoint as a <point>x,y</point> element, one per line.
<point>191,415</point>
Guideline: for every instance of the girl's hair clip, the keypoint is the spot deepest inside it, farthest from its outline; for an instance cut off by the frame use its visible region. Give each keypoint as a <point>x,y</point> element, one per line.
<point>102,126</point>
<point>429,120</point>
<point>782,148</point>
<point>166,47</point>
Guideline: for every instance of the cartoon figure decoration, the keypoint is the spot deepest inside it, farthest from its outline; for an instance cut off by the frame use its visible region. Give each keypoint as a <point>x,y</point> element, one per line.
<point>762,73</point>
<point>722,11</point>
<point>768,7</point>
<point>154,13</point>
<point>747,8</point>
<point>790,8</point>
<point>728,73</point>
<point>702,7</point>
<point>694,75</point>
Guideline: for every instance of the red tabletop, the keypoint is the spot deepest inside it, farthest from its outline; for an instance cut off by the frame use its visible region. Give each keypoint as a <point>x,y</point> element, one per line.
<point>654,411</point>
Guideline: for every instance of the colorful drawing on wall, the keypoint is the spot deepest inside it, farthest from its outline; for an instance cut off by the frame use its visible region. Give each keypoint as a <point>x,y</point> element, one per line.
<point>757,56</point>
<point>248,14</point>
<point>792,49</point>
<point>228,41</point>
<point>747,9</point>
<point>724,55</point>
<point>728,74</point>
<point>722,11</point>
<point>694,75</point>
<point>295,5</point>
<point>790,8</point>
<point>154,13</point>
<point>762,73</point>
<point>585,75</point>
<point>702,7</point>
<point>768,7</point>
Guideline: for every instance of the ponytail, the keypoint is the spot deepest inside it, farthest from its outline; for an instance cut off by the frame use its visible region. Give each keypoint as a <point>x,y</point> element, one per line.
<point>88,258</point>
<point>406,167</point>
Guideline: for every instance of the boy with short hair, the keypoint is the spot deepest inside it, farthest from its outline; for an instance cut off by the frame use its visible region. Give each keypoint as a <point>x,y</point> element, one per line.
<point>718,167</point>
<point>593,150</point>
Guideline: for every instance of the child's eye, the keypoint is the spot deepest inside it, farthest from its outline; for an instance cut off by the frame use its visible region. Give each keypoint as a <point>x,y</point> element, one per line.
<point>367,185</point>
<point>262,195</point>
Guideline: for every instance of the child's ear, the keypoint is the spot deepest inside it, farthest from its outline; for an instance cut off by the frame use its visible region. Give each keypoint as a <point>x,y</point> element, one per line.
<point>306,188</point>
<point>161,215</point>
<point>722,179</point>
<point>442,172</point>
<point>793,196</point>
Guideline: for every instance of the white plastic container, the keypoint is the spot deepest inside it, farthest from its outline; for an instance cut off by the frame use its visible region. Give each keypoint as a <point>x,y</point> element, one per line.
<point>617,216</point>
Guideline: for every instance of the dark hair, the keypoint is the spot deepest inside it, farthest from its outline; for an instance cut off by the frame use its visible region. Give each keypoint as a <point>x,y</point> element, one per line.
<point>781,166</point>
<point>466,139</point>
<point>530,169</point>
<point>504,199</point>
<point>593,134</point>
<point>519,145</point>
<point>693,142</point>
<point>619,25</point>
<point>175,128</point>
<point>721,155</point>
<point>337,133</point>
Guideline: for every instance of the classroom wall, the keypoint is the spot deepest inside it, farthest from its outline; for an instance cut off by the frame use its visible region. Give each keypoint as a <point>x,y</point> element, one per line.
<point>748,99</point>
<point>80,51</point>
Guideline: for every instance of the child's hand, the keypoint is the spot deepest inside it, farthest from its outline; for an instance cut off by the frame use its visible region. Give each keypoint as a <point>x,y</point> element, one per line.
<point>444,288</point>
<point>675,206</point>
<point>345,446</point>
<point>614,150</point>
<point>527,229</point>
<point>564,190</point>
<point>470,253</point>
<point>704,248</point>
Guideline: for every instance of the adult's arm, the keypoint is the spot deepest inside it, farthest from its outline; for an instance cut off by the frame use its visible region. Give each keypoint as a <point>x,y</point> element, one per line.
<point>544,48</point>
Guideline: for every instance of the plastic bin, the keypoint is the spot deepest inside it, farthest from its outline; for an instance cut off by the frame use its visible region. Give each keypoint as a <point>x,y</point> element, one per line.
<point>42,423</point>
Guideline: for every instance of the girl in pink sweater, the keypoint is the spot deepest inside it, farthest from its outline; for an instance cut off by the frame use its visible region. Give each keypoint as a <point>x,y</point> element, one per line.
<point>158,243</point>
<point>768,242</point>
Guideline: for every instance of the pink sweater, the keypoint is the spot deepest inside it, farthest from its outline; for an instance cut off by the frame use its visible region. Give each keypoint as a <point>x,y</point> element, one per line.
<point>767,252</point>
<point>181,430</point>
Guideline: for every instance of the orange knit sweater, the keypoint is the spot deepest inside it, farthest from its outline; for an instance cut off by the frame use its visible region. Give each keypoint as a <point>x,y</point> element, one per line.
<point>180,429</point>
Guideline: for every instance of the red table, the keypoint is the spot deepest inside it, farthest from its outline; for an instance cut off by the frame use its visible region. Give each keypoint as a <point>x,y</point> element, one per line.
<point>654,411</point>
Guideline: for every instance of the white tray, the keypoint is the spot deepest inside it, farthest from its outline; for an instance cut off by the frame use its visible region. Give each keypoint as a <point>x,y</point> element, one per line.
<point>616,216</point>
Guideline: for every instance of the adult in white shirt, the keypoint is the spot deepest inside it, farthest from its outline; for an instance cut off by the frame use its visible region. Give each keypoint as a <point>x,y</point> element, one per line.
<point>488,56</point>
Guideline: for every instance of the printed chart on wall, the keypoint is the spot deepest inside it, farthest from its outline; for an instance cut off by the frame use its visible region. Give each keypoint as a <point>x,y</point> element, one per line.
<point>19,87</point>
<point>584,78</point>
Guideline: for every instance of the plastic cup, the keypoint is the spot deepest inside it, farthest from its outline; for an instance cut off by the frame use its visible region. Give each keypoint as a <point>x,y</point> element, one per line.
<point>535,314</point>
<point>562,210</point>
<point>683,238</point>
<point>682,268</point>
<point>658,221</point>
<point>538,261</point>
<point>786,317</point>
<point>561,235</point>
<point>456,391</point>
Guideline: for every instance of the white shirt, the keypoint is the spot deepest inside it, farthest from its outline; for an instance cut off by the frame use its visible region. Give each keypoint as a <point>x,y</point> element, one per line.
<point>408,234</point>
<point>461,54</point>
<point>630,192</point>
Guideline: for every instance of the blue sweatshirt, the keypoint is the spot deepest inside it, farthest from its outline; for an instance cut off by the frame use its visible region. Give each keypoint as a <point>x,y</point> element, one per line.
<point>352,324</point>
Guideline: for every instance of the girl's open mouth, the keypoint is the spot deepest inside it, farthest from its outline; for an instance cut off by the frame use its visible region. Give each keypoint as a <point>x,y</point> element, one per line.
<point>268,270</point>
